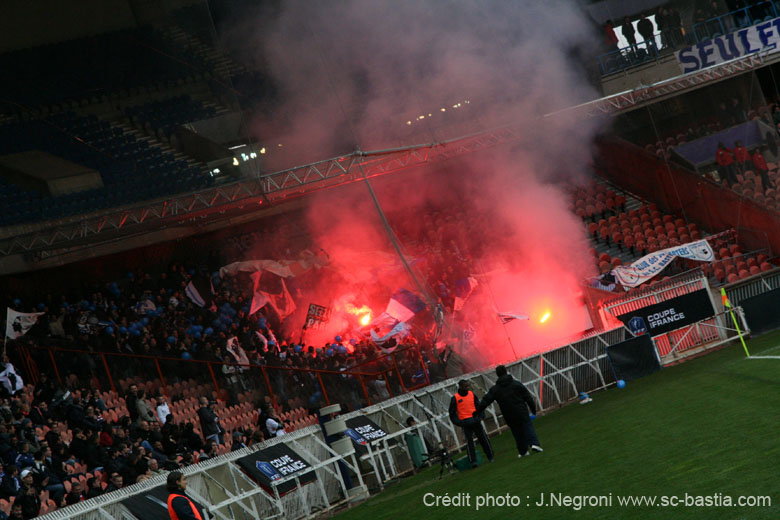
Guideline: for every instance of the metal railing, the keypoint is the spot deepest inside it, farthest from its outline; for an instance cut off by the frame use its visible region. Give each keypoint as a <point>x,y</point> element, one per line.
<point>734,20</point>
<point>554,378</point>
<point>376,380</point>
<point>674,38</point>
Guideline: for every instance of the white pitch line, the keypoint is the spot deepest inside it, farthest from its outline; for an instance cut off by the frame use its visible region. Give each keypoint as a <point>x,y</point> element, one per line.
<point>764,357</point>
<point>770,349</point>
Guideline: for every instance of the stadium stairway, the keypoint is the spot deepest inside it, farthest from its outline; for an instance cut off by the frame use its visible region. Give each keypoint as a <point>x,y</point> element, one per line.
<point>165,147</point>
<point>222,65</point>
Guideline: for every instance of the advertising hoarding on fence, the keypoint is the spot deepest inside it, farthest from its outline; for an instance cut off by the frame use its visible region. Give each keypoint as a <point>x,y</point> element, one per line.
<point>633,358</point>
<point>762,312</point>
<point>274,463</point>
<point>669,315</point>
<point>363,431</point>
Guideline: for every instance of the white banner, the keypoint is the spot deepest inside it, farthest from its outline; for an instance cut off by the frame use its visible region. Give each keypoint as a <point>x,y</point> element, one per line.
<point>18,323</point>
<point>763,37</point>
<point>650,265</point>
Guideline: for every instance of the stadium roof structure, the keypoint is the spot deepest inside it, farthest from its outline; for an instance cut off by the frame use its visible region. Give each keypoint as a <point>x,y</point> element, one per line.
<point>230,200</point>
<point>247,199</point>
<point>647,94</point>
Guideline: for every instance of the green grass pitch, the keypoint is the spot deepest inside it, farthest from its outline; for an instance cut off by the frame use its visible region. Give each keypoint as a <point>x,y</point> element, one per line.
<point>708,428</point>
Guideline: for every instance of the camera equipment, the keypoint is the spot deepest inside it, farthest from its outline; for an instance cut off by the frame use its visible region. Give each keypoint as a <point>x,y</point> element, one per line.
<point>445,459</point>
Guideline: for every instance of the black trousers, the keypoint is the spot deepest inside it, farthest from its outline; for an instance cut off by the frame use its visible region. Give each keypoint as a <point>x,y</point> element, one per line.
<point>524,434</point>
<point>476,429</point>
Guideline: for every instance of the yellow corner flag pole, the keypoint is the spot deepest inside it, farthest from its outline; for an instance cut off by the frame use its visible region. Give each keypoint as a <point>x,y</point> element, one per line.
<point>727,304</point>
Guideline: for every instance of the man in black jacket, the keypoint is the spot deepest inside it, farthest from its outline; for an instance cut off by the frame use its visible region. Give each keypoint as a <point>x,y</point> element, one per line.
<point>515,401</point>
<point>463,406</point>
<point>209,422</point>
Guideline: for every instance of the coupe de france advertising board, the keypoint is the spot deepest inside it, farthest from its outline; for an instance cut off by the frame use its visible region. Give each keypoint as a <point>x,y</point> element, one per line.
<point>669,315</point>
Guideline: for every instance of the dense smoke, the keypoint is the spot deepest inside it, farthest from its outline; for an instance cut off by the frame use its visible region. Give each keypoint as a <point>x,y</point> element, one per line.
<point>372,75</point>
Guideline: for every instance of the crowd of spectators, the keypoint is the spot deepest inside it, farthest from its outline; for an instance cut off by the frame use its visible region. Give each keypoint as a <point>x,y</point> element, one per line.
<point>74,447</point>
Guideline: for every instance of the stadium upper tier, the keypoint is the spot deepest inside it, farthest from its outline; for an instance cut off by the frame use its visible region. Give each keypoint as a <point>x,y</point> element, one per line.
<point>98,66</point>
<point>131,169</point>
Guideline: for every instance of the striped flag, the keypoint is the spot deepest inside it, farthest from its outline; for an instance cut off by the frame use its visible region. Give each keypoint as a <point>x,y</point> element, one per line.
<point>200,291</point>
<point>404,304</point>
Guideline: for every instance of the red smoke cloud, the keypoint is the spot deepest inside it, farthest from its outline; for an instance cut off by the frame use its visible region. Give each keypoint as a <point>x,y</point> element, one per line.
<point>376,75</point>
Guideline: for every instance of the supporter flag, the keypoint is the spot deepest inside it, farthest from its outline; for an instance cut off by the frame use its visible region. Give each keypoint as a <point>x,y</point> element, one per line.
<point>400,331</point>
<point>284,268</point>
<point>270,289</point>
<point>237,352</point>
<point>404,305</point>
<point>259,298</point>
<point>272,339</point>
<point>200,291</point>
<point>463,289</point>
<point>506,317</point>
<point>18,323</point>
<point>263,340</point>
<point>10,380</point>
<point>145,306</point>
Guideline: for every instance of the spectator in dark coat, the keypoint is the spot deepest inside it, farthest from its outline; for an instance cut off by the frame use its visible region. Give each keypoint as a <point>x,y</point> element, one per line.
<point>28,496</point>
<point>515,402</point>
<point>75,496</point>
<point>10,484</point>
<point>130,402</point>
<point>209,422</point>
<point>645,28</point>
<point>94,488</point>
<point>39,413</point>
<point>628,32</point>
<point>44,389</point>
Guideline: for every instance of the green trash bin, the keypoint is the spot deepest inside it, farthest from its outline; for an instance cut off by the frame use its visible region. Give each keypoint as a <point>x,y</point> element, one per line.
<point>464,463</point>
